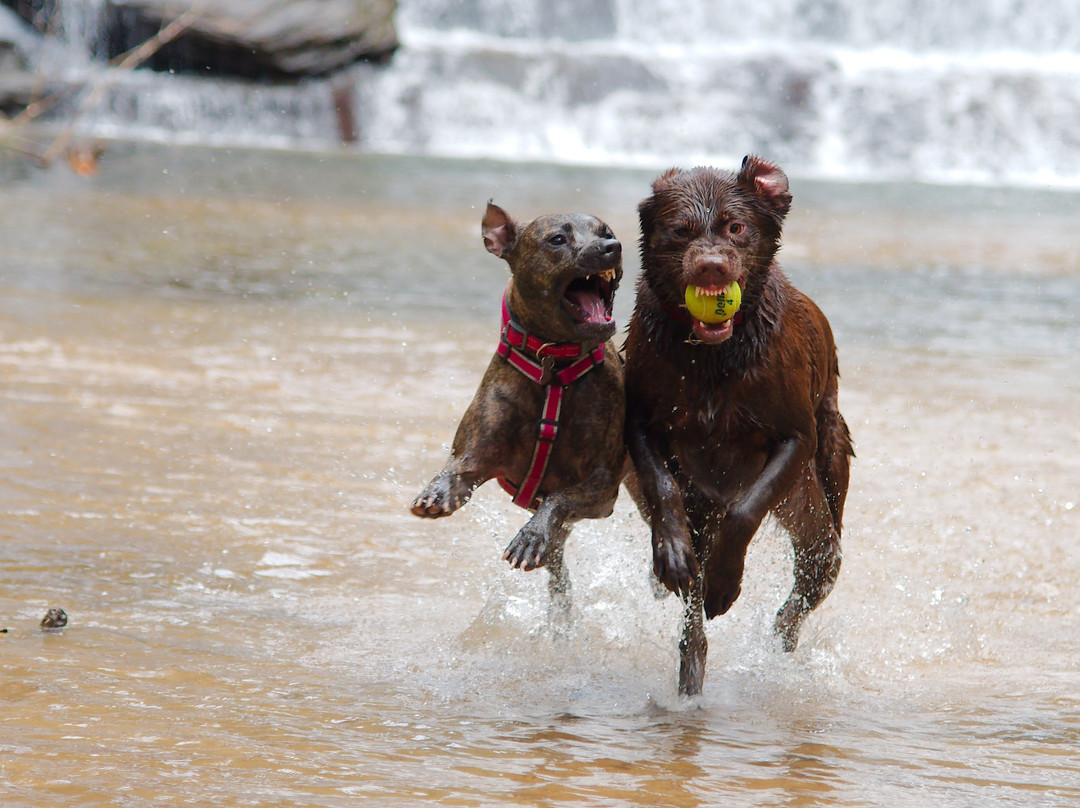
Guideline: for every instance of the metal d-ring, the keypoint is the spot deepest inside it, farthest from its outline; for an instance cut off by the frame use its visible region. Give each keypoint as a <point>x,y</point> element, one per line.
<point>547,363</point>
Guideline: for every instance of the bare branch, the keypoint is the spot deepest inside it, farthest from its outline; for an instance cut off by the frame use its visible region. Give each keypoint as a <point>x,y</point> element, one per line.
<point>115,68</point>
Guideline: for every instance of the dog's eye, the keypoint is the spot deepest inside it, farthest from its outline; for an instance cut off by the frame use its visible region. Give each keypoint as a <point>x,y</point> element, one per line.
<point>734,228</point>
<point>556,240</point>
<point>683,231</point>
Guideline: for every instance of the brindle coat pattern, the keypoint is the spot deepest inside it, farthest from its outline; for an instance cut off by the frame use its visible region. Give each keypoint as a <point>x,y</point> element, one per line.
<point>727,425</point>
<point>498,432</point>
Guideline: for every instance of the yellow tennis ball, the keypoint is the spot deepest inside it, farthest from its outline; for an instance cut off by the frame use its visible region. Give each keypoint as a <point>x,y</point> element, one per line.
<point>714,308</point>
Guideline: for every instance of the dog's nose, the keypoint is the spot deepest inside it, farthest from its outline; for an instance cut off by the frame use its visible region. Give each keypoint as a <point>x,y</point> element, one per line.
<point>711,270</point>
<point>603,253</point>
<point>611,248</point>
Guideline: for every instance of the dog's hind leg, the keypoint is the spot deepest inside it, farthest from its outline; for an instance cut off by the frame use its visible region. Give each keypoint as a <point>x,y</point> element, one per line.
<point>559,614</point>
<point>834,453</point>
<point>807,517</point>
<point>693,647</point>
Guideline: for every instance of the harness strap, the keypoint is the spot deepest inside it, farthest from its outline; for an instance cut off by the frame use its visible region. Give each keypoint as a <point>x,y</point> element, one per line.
<point>525,494</point>
<point>555,383</point>
<point>544,372</point>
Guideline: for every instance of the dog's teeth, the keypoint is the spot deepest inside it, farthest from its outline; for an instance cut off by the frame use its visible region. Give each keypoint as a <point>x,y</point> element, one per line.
<point>607,275</point>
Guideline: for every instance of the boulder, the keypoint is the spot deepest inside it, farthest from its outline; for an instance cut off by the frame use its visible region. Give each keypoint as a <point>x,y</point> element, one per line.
<point>257,38</point>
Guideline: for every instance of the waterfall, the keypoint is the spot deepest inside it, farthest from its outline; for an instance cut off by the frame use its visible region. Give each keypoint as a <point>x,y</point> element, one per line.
<point>179,108</point>
<point>980,91</point>
<point>983,91</point>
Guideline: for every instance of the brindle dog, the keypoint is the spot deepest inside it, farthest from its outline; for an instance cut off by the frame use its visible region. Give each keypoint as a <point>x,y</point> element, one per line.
<point>558,309</point>
<point>729,421</point>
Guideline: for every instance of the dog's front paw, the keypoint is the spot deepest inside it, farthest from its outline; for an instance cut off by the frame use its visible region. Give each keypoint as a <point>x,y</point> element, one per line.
<point>674,563</point>
<point>528,548</point>
<point>723,585</point>
<point>443,495</point>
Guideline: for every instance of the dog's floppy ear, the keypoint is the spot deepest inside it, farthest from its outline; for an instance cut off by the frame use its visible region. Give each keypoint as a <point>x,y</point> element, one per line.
<point>647,210</point>
<point>662,182</point>
<point>499,231</point>
<point>767,182</point>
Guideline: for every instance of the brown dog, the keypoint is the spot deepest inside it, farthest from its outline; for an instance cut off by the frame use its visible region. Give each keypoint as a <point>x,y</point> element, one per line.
<point>547,420</point>
<point>729,421</point>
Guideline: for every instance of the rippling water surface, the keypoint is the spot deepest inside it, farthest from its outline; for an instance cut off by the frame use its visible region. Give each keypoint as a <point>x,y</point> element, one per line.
<point>226,374</point>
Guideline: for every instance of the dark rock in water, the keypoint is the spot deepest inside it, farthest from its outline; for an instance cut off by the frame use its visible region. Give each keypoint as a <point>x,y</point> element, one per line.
<point>54,619</point>
<point>257,38</point>
<point>265,39</point>
<point>16,90</point>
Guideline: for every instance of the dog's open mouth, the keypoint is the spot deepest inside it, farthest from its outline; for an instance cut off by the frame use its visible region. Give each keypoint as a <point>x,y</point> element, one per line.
<point>714,311</point>
<point>590,298</point>
<point>714,333</point>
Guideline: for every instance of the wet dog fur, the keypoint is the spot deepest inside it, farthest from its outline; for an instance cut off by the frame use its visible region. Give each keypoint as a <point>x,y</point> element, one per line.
<point>564,270</point>
<point>729,422</point>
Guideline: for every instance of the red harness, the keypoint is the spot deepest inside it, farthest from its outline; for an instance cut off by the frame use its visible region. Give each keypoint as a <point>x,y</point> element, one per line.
<point>518,347</point>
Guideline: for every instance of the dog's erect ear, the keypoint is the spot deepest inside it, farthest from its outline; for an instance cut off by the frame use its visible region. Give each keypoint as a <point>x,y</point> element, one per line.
<point>767,182</point>
<point>499,231</point>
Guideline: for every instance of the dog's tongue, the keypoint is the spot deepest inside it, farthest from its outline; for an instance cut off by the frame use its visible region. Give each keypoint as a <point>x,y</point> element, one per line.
<point>591,305</point>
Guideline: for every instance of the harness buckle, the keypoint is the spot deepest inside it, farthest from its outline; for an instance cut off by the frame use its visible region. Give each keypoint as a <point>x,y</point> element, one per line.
<point>547,430</point>
<point>515,335</point>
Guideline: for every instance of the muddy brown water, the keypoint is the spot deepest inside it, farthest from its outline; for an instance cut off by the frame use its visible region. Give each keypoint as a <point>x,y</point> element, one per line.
<point>225,374</point>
